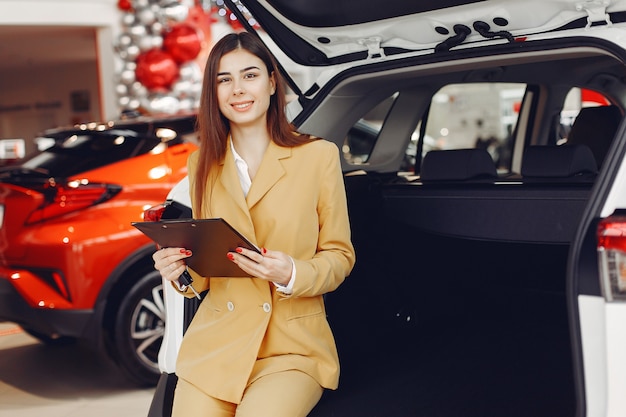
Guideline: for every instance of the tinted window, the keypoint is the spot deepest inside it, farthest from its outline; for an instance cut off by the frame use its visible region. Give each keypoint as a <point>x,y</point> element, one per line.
<point>362,137</point>
<point>76,153</point>
<point>576,100</point>
<point>588,118</point>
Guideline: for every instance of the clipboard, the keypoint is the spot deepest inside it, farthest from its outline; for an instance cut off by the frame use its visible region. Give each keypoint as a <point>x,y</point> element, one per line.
<point>208,239</point>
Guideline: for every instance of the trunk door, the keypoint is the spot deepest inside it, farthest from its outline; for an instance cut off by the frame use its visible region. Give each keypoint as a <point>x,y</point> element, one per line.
<point>327,33</point>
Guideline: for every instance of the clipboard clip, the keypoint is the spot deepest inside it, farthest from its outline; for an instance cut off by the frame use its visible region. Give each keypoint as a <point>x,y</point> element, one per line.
<point>185,279</point>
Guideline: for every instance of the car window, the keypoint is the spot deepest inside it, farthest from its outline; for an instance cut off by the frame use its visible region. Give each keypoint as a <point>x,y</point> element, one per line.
<point>78,153</point>
<point>473,115</point>
<point>576,100</point>
<point>588,118</point>
<point>362,137</point>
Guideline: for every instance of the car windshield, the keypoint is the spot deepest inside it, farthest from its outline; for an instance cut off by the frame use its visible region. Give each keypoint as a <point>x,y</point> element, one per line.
<point>76,153</point>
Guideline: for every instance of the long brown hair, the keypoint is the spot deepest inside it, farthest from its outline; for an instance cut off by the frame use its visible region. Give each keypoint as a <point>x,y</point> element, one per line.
<point>213,127</point>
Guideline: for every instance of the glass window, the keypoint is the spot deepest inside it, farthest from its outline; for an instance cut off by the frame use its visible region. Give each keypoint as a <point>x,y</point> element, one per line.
<point>588,118</point>
<point>361,138</point>
<point>576,100</point>
<point>76,153</point>
<point>473,115</point>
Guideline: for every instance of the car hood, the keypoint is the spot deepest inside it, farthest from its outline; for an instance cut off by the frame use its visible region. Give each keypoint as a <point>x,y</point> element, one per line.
<point>330,32</point>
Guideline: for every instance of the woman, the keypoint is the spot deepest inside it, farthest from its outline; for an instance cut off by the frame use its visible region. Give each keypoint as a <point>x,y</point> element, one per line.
<point>260,346</point>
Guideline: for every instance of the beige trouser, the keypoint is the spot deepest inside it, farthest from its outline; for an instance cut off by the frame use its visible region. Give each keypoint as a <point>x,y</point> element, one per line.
<point>281,394</point>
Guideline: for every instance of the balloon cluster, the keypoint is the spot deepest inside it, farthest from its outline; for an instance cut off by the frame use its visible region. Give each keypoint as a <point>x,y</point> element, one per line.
<point>158,48</point>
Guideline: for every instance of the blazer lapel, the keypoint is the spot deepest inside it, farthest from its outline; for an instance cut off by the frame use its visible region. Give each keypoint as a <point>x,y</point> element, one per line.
<point>270,171</point>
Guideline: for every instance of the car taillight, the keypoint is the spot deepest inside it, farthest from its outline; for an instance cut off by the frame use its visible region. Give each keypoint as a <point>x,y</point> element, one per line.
<point>154,213</point>
<point>612,257</point>
<point>72,196</point>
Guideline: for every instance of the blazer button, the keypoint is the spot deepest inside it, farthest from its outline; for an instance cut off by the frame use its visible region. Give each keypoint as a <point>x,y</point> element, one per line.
<point>230,306</point>
<point>266,307</point>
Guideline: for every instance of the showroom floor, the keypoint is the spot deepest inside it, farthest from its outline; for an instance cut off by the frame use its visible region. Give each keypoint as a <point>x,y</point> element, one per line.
<point>62,381</point>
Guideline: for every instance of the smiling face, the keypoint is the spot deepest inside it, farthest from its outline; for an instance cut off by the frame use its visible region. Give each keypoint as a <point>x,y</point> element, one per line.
<point>244,88</point>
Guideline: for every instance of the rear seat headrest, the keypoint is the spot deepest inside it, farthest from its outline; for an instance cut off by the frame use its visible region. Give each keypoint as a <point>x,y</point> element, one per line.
<point>595,127</point>
<point>558,161</point>
<point>457,164</point>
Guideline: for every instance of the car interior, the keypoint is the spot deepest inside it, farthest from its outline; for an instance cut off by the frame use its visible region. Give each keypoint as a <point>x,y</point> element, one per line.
<point>458,299</point>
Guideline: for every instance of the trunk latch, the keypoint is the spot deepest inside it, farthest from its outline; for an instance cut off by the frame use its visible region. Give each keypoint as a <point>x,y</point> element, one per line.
<point>373,47</point>
<point>596,11</point>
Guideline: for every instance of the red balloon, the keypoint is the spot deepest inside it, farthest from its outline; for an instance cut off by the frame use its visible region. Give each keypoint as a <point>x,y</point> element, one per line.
<point>183,42</point>
<point>156,69</point>
<point>124,5</point>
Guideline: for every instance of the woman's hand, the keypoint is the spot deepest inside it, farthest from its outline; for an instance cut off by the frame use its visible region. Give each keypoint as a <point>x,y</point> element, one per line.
<point>170,262</point>
<point>270,265</point>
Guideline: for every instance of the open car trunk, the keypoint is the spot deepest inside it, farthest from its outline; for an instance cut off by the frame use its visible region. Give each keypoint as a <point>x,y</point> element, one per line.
<point>444,325</point>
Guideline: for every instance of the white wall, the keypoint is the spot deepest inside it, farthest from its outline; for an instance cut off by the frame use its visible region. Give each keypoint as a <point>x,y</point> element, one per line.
<point>58,12</point>
<point>45,92</point>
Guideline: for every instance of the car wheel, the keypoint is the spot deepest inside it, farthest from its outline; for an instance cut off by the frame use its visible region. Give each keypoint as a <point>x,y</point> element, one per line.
<point>139,328</point>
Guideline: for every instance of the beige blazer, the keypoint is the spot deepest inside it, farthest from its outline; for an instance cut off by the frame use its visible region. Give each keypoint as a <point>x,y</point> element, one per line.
<point>244,328</point>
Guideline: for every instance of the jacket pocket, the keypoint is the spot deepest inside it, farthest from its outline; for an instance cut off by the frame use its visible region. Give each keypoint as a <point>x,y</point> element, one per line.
<point>306,307</point>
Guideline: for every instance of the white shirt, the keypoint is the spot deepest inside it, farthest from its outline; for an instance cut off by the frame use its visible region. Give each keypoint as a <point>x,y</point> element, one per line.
<point>246,182</point>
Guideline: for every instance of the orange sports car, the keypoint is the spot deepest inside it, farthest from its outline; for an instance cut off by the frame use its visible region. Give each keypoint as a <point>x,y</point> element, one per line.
<point>71,264</point>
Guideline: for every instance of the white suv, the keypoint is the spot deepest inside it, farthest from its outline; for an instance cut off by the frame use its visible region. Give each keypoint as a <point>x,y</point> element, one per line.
<point>484,150</point>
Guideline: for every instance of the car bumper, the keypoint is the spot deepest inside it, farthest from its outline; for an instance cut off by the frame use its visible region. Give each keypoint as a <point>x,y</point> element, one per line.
<point>49,321</point>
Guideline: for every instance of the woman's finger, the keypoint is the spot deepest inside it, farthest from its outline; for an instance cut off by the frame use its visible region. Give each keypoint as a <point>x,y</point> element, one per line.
<point>169,262</point>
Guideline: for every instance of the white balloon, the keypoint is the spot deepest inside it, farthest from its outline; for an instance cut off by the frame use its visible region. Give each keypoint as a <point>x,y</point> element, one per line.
<point>133,104</point>
<point>123,101</point>
<point>146,16</point>
<point>190,71</point>
<point>157,28</point>
<point>162,103</point>
<point>128,19</point>
<point>121,90</point>
<point>133,52</point>
<point>181,88</point>
<point>139,90</point>
<point>137,31</point>
<point>140,4</point>
<point>127,77</point>
<point>122,53</point>
<point>145,43</point>
<point>124,40</point>
<point>175,12</point>
<point>157,42</point>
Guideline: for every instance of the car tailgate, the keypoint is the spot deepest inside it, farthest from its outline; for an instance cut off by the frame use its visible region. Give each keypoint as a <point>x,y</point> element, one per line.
<point>17,204</point>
